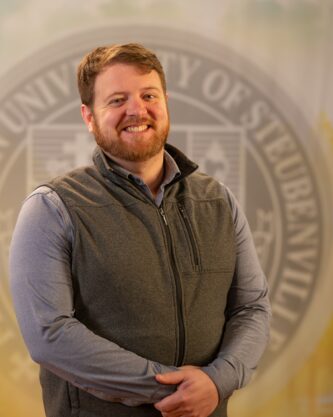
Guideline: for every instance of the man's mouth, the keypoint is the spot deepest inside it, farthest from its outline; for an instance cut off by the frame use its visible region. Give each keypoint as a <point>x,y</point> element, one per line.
<point>135,129</point>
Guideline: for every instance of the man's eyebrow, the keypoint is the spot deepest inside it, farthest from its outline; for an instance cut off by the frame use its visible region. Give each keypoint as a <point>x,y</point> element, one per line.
<point>117,93</point>
<point>151,88</point>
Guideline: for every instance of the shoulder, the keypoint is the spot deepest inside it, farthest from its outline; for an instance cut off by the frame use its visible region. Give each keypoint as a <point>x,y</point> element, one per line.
<point>47,201</point>
<point>74,178</point>
<point>43,211</point>
<point>78,186</point>
<point>202,186</point>
<point>44,196</point>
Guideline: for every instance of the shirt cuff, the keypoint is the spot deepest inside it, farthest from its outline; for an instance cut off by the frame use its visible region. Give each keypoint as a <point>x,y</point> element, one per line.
<point>163,390</point>
<point>224,376</point>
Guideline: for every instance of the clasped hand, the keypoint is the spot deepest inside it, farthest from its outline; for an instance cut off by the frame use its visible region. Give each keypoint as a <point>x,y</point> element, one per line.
<point>196,394</point>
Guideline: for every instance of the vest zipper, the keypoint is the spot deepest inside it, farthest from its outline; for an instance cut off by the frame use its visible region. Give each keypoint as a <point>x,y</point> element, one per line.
<point>179,301</point>
<point>188,228</point>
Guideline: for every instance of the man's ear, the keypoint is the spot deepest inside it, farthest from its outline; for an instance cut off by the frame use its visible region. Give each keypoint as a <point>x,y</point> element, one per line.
<point>87,116</point>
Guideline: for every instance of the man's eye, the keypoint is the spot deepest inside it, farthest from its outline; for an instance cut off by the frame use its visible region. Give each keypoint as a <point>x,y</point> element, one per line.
<point>116,101</point>
<point>149,96</point>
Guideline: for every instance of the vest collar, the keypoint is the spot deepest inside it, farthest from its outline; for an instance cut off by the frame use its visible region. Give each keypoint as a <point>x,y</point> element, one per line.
<point>186,166</point>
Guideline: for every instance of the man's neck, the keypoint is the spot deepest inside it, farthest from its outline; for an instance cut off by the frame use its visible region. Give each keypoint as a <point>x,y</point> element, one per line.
<point>150,171</point>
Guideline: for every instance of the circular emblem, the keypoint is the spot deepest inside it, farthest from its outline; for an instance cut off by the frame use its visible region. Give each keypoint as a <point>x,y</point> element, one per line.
<point>222,116</point>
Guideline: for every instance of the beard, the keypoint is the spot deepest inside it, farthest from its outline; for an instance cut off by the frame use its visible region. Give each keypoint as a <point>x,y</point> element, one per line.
<point>136,151</point>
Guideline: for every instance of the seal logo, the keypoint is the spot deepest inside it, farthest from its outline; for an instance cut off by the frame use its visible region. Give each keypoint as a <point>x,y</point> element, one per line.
<point>223,117</point>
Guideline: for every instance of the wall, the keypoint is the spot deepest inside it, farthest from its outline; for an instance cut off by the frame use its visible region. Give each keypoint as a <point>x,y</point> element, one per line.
<point>251,87</point>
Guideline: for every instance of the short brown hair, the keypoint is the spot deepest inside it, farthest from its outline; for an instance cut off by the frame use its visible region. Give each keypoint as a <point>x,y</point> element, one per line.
<point>98,59</point>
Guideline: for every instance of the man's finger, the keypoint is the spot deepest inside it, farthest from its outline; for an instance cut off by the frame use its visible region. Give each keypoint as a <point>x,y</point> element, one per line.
<point>195,391</point>
<point>170,378</point>
<point>171,403</point>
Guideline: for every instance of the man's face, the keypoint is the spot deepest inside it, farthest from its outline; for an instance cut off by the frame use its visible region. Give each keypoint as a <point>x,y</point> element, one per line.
<point>129,117</point>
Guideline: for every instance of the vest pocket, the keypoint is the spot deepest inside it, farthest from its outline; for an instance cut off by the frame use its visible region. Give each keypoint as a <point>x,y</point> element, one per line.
<point>194,250</point>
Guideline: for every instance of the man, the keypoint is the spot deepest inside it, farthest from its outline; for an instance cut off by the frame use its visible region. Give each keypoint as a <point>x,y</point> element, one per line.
<point>135,280</point>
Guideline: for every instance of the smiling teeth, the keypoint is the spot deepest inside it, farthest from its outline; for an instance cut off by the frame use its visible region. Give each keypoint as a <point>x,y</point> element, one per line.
<point>136,128</point>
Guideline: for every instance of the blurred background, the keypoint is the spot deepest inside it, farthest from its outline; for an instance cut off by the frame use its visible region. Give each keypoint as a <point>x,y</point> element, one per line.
<point>251,100</point>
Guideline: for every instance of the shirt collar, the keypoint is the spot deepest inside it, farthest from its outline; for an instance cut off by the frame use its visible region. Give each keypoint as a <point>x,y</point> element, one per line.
<point>171,170</point>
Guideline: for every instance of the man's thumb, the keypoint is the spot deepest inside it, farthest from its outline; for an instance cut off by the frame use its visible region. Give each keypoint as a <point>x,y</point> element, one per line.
<point>171,378</point>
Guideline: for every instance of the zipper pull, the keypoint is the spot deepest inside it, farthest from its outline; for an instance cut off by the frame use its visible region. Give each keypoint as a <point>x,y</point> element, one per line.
<point>183,213</point>
<point>163,216</point>
<point>182,210</point>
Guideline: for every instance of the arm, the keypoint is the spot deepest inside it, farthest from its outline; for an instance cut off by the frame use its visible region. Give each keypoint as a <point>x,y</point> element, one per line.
<point>245,335</point>
<point>40,272</point>
<point>248,314</point>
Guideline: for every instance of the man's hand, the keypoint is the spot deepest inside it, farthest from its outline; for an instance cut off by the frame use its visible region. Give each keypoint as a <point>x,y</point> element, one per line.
<point>196,395</point>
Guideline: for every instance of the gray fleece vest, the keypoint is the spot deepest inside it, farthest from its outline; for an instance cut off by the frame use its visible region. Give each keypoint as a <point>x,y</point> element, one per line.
<point>153,280</point>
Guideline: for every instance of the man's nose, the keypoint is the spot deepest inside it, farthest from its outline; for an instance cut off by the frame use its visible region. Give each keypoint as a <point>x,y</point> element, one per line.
<point>136,107</point>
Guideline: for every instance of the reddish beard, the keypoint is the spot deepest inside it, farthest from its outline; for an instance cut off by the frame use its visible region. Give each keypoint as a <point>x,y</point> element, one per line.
<point>115,146</point>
